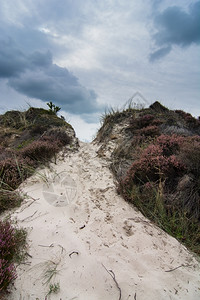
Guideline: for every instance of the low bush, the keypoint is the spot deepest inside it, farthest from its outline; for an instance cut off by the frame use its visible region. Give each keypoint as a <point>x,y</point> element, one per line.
<point>170,144</point>
<point>7,241</point>
<point>13,171</point>
<point>59,136</point>
<point>164,183</point>
<point>9,199</point>
<point>189,119</point>
<point>5,153</point>
<point>190,154</point>
<point>7,274</point>
<point>40,151</point>
<point>151,130</point>
<point>142,121</point>
<point>12,243</point>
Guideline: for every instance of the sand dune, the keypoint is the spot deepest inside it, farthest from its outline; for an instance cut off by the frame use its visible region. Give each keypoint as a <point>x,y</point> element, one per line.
<point>94,244</point>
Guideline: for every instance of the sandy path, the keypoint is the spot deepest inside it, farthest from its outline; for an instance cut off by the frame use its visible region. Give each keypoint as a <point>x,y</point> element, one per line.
<point>79,229</point>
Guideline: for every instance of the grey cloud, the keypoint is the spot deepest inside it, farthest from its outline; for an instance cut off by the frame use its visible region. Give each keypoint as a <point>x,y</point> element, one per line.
<point>59,86</point>
<point>160,53</point>
<point>35,75</point>
<point>176,27</point>
<point>12,60</point>
<point>41,59</point>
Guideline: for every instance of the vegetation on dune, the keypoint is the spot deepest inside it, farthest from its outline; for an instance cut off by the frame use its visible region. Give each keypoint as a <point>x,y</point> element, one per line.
<point>27,140</point>
<point>156,161</point>
<point>12,250</point>
<point>157,164</point>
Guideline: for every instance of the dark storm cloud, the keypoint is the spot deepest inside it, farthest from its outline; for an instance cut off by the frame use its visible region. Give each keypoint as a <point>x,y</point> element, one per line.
<point>176,27</point>
<point>35,75</point>
<point>12,60</point>
<point>57,85</point>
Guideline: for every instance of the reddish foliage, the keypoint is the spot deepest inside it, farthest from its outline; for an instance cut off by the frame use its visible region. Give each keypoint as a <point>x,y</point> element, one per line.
<point>145,120</point>
<point>154,165</point>
<point>7,251</point>
<point>190,120</point>
<point>7,240</point>
<point>142,121</point>
<point>9,199</point>
<point>190,154</point>
<point>40,151</point>
<point>151,130</point>
<point>7,274</point>
<point>14,171</point>
<point>170,143</point>
<point>58,136</point>
<point>5,153</point>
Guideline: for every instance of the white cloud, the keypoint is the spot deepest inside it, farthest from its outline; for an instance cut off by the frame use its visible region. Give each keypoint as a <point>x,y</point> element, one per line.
<point>106,45</point>
<point>84,131</point>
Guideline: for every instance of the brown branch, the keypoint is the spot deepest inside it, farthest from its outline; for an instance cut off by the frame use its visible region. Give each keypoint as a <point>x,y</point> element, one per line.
<point>112,274</point>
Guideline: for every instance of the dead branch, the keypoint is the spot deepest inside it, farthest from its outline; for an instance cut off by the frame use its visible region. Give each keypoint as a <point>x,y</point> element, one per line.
<point>46,246</point>
<point>29,216</point>
<point>178,268</point>
<point>73,252</point>
<point>112,274</point>
<point>26,206</point>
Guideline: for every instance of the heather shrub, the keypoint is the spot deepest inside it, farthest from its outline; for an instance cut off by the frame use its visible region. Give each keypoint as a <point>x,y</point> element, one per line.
<point>5,153</point>
<point>157,122</point>
<point>189,119</point>
<point>153,165</point>
<point>142,121</point>
<point>151,130</point>
<point>40,151</point>
<point>9,199</point>
<point>12,244</point>
<point>7,241</point>
<point>7,274</point>
<point>164,184</point>
<point>59,136</point>
<point>169,144</point>
<point>38,129</point>
<point>138,140</point>
<point>13,171</point>
<point>190,154</point>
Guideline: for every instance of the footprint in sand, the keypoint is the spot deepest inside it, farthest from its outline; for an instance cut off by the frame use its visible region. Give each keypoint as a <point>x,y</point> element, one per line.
<point>60,190</point>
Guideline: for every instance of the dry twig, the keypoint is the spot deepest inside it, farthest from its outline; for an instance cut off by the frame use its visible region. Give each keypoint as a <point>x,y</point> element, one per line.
<point>73,252</point>
<point>178,268</point>
<point>29,216</point>
<point>112,274</point>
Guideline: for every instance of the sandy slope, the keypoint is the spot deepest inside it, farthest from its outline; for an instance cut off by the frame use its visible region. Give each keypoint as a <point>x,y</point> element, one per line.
<point>96,245</point>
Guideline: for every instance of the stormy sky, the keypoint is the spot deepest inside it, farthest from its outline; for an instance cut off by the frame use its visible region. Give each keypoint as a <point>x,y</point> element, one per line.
<point>86,56</point>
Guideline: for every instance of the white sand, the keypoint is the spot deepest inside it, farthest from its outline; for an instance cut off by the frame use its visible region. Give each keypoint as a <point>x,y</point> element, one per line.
<point>85,230</point>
